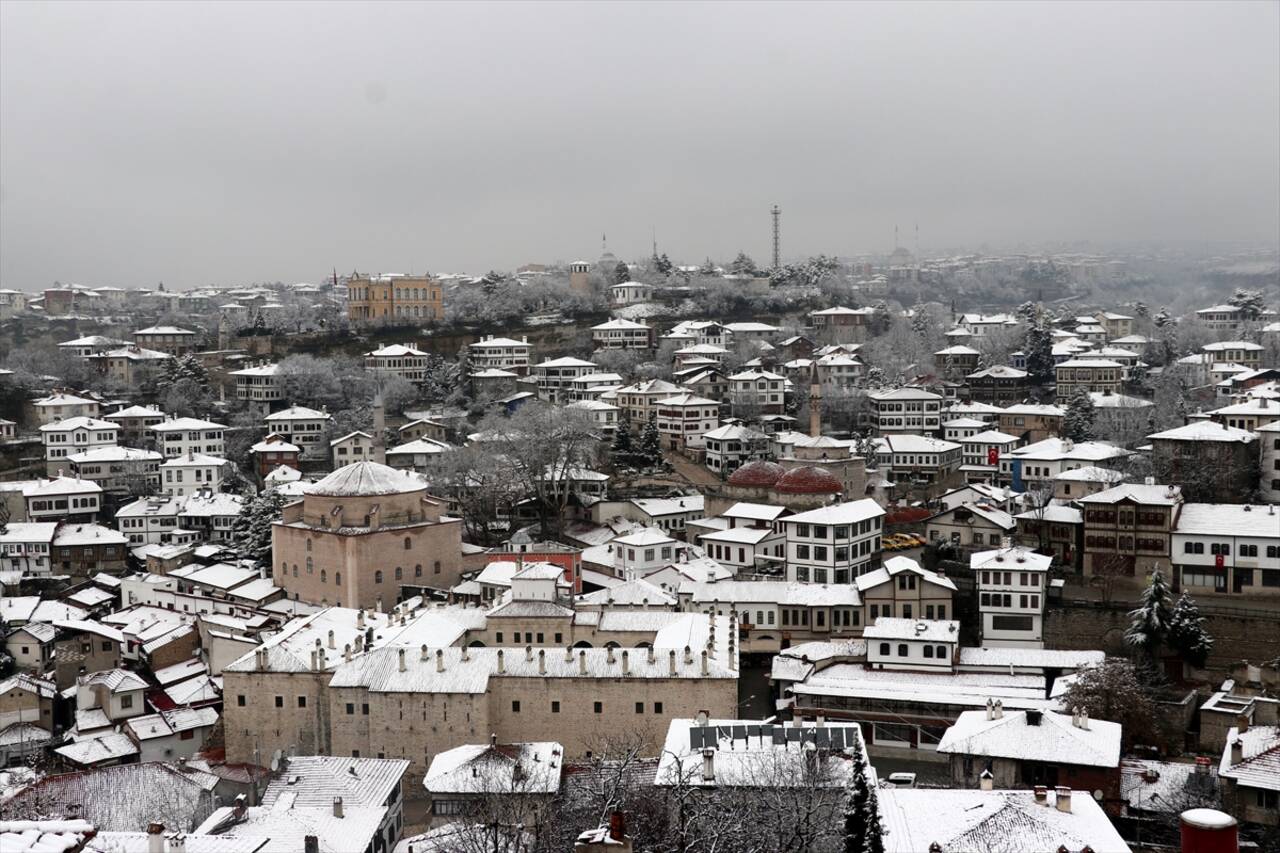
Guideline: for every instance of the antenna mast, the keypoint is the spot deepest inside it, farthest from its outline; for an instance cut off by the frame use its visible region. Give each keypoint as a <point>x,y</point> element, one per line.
<point>777,237</point>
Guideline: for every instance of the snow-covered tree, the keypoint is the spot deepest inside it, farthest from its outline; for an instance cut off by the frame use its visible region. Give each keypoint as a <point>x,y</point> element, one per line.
<point>1162,318</point>
<point>1187,634</point>
<point>1250,303</point>
<point>862,830</point>
<point>1149,622</point>
<point>1037,345</point>
<point>707,268</point>
<point>251,531</point>
<point>621,273</point>
<point>651,442</point>
<point>1113,691</point>
<point>1077,423</point>
<point>743,265</point>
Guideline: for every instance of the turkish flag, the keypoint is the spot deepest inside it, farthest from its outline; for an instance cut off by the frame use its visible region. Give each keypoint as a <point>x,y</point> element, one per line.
<point>1219,561</point>
<point>993,456</point>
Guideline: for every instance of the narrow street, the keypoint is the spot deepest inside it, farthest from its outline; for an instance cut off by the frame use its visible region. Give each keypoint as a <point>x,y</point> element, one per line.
<point>696,474</point>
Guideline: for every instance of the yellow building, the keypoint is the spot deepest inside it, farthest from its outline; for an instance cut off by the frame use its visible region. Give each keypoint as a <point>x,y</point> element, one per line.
<point>392,296</point>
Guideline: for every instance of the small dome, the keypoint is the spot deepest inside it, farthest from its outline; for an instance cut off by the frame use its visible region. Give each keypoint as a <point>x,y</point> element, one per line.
<point>758,474</point>
<point>809,480</point>
<point>365,479</point>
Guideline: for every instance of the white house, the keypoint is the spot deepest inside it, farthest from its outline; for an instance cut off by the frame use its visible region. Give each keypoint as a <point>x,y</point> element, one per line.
<point>622,334</point>
<point>492,353</point>
<point>302,426</point>
<point>555,376</point>
<point>729,446</point>
<point>403,360</point>
<point>832,544</point>
<point>684,418</point>
<point>75,435</point>
<point>180,436</point>
<point>906,410</point>
<point>1012,587</point>
<point>916,644</point>
<point>185,475</point>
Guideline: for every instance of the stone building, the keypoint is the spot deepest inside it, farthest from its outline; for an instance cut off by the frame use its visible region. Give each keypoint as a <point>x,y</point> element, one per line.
<point>394,296</point>
<point>361,531</point>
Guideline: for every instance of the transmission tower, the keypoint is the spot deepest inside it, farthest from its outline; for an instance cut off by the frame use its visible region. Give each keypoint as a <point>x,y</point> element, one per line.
<point>777,237</point>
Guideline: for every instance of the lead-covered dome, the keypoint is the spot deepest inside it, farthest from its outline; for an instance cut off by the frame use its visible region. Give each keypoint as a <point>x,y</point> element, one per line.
<point>361,479</point>
<point>760,474</point>
<point>809,480</point>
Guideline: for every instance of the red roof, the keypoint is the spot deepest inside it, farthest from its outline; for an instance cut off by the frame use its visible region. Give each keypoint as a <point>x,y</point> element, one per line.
<point>809,480</point>
<point>759,474</point>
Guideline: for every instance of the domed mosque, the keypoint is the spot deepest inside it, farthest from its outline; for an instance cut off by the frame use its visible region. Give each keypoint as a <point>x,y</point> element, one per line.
<point>361,532</point>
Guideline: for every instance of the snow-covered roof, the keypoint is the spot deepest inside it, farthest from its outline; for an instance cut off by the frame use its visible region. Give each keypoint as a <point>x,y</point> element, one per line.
<point>1053,738</point>
<point>94,750</point>
<point>929,630</point>
<point>848,512</point>
<point>314,780</point>
<point>1051,449</point>
<point>365,478</point>
<point>1053,513</point>
<point>960,821</point>
<point>1155,495</point>
<point>164,330</point>
<point>771,592</point>
<point>59,486</point>
<point>1259,766</point>
<point>1016,558</point>
<point>185,424</point>
<point>499,768</point>
<point>1205,431</point>
<point>912,443</point>
<point>79,422</point>
<point>894,566</point>
<point>43,836</point>
<point>297,413</point>
<point>1228,520</point>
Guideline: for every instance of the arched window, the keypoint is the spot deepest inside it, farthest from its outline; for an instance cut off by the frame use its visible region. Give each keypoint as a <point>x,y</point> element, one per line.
<point>436,568</point>
<point>417,570</point>
<point>407,543</point>
<point>377,576</point>
<point>884,648</point>
<point>308,546</point>
<point>310,566</point>
<point>942,652</point>
<point>399,573</point>
<point>284,567</point>
<point>295,570</point>
<point>337,578</point>
<point>324,576</point>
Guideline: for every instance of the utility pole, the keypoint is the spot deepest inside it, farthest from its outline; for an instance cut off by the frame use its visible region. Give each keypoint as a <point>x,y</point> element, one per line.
<point>777,237</point>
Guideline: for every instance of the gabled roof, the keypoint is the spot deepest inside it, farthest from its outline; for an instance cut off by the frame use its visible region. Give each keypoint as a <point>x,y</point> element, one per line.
<point>1056,740</point>
<point>1017,558</point>
<point>1260,758</point>
<point>1205,431</point>
<point>928,630</point>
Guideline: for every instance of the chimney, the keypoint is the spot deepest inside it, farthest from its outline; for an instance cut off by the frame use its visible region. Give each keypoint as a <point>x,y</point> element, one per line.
<point>568,654</point>
<point>310,844</point>
<point>177,843</point>
<point>617,826</point>
<point>1084,719</point>
<point>528,653</point>
<point>582,662</point>
<point>1042,795</point>
<point>708,765</point>
<point>652,655</point>
<point>346,652</point>
<point>688,655</point>
<point>542,661</point>
<point>337,806</point>
<point>464,653</point>
<point>423,654</point>
<point>155,837</point>
<point>502,666</point>
<point>626,663</point>
<point>991,709</point>
<point>400,653</point>
<point>702,718</point>
<point>1063,798</point>
<point>439,658</point>
<point>1242,723</point>
<point>609,653</point>
<point>985,780</point>
<point>705,669</point>
<point>360,618</point>
<point>999,709</point>
<point>1237,750</point>
<point>672,659</point>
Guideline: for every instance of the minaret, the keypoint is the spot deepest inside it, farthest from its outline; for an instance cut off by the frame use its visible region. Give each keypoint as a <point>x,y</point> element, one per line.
<point>379,430</point>
<point>224,333</point>
<point>815,410</point>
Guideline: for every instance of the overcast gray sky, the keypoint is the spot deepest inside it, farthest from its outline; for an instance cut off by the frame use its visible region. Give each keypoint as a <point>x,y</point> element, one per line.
<point>231,142</point>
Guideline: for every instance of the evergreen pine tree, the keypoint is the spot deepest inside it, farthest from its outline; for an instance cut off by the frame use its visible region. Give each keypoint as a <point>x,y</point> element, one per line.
<point>1187,635</point>
<point>651,442</point>
<point>707,268</point>
<point>251,531</point>
<point>875,831</point>
<point>621,273</point>
<point>1077,424</point>
<point>664,265</point>
<point>1038,348</point>
<point>863,832</point>
<point>1149,622</point>
<point>622,447</point>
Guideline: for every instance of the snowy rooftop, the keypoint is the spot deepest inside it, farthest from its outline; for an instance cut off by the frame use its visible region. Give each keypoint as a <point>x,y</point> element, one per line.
<point>929,630</point>
<point>1259,766</point>
<point>90,751</point>
<point>753,753</point>
<point>1017,558</point>
<point>959,821</point>
<point>771,592</point>
<point>1205,431</point>
<point>365,479</point>
<point>43,836</point>
<point>1155,495</point>
<point>848,512</point>
<point>314,780</point>
<point>1007,657</point>
<point>528,768</point>
<point>1228,520</point>
<point>1060,448</point>
<point>1046,737</point>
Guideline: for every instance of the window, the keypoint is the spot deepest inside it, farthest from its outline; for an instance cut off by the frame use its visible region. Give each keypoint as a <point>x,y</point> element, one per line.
<point>515,706</point>
<point>902,650</point>
<point>940,652</point>
<point>399,573</point>
<point>555,706</point>
<point>802,552</point>
<point>240,700</point>
<point>302,701</point>
<point>639,707</point>
<point>106,645</point>
<point>884,649</point>
<point>364,709</point>
<point>279,701</point>
<point>417,570</point>
<point>928,651</point>
<point>1011,623</point>
<point>657,707</point>
<point>408,543</point>
<point>436,567</point>
<point>351,708</point>
<point>377,576</point>
<point>599,707</point>
<point>1248,550</point>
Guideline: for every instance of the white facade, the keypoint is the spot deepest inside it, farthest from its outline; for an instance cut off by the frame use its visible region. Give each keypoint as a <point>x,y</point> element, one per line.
<point>909,410</point>
<point>1012,587</point>
<point>75,435</point>
<point>500,354</point>
<point>179,436</point>
<point>192,473</point>
<point>401,360</point>
<point>832,544</point>
<point>301,426</point>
